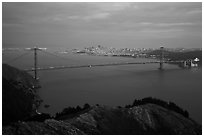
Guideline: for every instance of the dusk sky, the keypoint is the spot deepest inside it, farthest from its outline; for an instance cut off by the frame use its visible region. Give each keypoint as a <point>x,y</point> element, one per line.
<point>76,25</point>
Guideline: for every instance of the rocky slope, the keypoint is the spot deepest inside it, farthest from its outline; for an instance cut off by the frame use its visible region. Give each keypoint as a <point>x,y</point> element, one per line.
<point>19,98</point>
<point>144,119</point>
<point>13,74</point>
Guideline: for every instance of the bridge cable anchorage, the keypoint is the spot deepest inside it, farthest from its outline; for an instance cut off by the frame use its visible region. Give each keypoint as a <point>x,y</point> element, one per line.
<point>18,57</point>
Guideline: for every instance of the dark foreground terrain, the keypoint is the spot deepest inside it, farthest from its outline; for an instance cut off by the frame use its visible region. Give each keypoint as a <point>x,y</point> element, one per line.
<point>147,116</point>
<point>144,119</point>
<point>19,98</point>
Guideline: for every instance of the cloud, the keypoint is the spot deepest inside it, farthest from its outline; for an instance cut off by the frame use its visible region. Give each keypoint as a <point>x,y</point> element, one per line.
<point>175,24</point>
<point>167,24</point>
<point>161,30</point>
<point>96,16</point>
<point>73,17</point>
<point>34,20</point>
<point>101,11</point>
<point>113,6</point>
<point>161,33</point>
<point>195,12</point>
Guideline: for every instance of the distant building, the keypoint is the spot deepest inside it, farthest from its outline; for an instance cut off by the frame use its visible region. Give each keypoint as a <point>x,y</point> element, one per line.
<point>191,63</point>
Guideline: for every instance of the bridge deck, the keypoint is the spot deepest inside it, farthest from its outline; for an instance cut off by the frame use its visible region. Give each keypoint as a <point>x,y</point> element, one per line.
<point>98,65</point>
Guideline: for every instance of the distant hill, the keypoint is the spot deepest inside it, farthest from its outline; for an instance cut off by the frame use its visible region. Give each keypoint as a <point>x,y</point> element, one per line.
<point>179,55</point>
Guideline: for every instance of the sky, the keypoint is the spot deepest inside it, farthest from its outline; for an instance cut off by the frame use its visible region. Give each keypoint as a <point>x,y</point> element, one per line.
<point>119,25</point>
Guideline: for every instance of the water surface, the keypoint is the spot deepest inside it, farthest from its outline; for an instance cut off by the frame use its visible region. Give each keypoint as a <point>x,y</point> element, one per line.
<point>114,85</point>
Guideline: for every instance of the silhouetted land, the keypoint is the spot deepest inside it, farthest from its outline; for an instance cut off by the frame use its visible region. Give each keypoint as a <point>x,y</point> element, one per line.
<point>168,105</point>
<point>19,99</point>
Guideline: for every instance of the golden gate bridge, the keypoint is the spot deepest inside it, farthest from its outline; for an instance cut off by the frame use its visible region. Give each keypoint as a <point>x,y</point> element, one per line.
<point>36,68</point>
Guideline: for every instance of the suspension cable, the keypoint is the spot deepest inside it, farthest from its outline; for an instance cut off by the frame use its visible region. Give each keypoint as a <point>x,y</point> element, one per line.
<point>52,54</point>
<point>18,57</point>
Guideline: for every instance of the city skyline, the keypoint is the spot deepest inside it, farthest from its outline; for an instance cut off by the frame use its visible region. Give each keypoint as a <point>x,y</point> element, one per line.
<point>75,25</point>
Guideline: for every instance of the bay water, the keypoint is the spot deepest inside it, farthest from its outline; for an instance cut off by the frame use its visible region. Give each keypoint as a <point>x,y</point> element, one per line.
<point>112,85</point>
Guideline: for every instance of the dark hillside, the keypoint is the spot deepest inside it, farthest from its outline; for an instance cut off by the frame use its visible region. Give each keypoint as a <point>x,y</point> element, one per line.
<point>13,74</point>
<point>19,99</point>
<point>104,120</point>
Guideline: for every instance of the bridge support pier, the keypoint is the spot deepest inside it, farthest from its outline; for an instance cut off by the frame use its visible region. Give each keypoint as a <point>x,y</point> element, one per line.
<point>161,58</point>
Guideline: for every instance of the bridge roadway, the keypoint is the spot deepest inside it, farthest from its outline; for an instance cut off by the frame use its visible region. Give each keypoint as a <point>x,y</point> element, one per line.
<point>98,65</point>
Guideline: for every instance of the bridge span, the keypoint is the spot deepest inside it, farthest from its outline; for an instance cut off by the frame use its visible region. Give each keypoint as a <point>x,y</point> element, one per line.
<point>99,65</point>
<point>36,68</point>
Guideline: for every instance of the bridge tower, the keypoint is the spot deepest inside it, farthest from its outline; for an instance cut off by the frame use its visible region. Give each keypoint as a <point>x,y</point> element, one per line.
<point>35,62</point>
<point>161,58</point>
<point>35,49</point>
